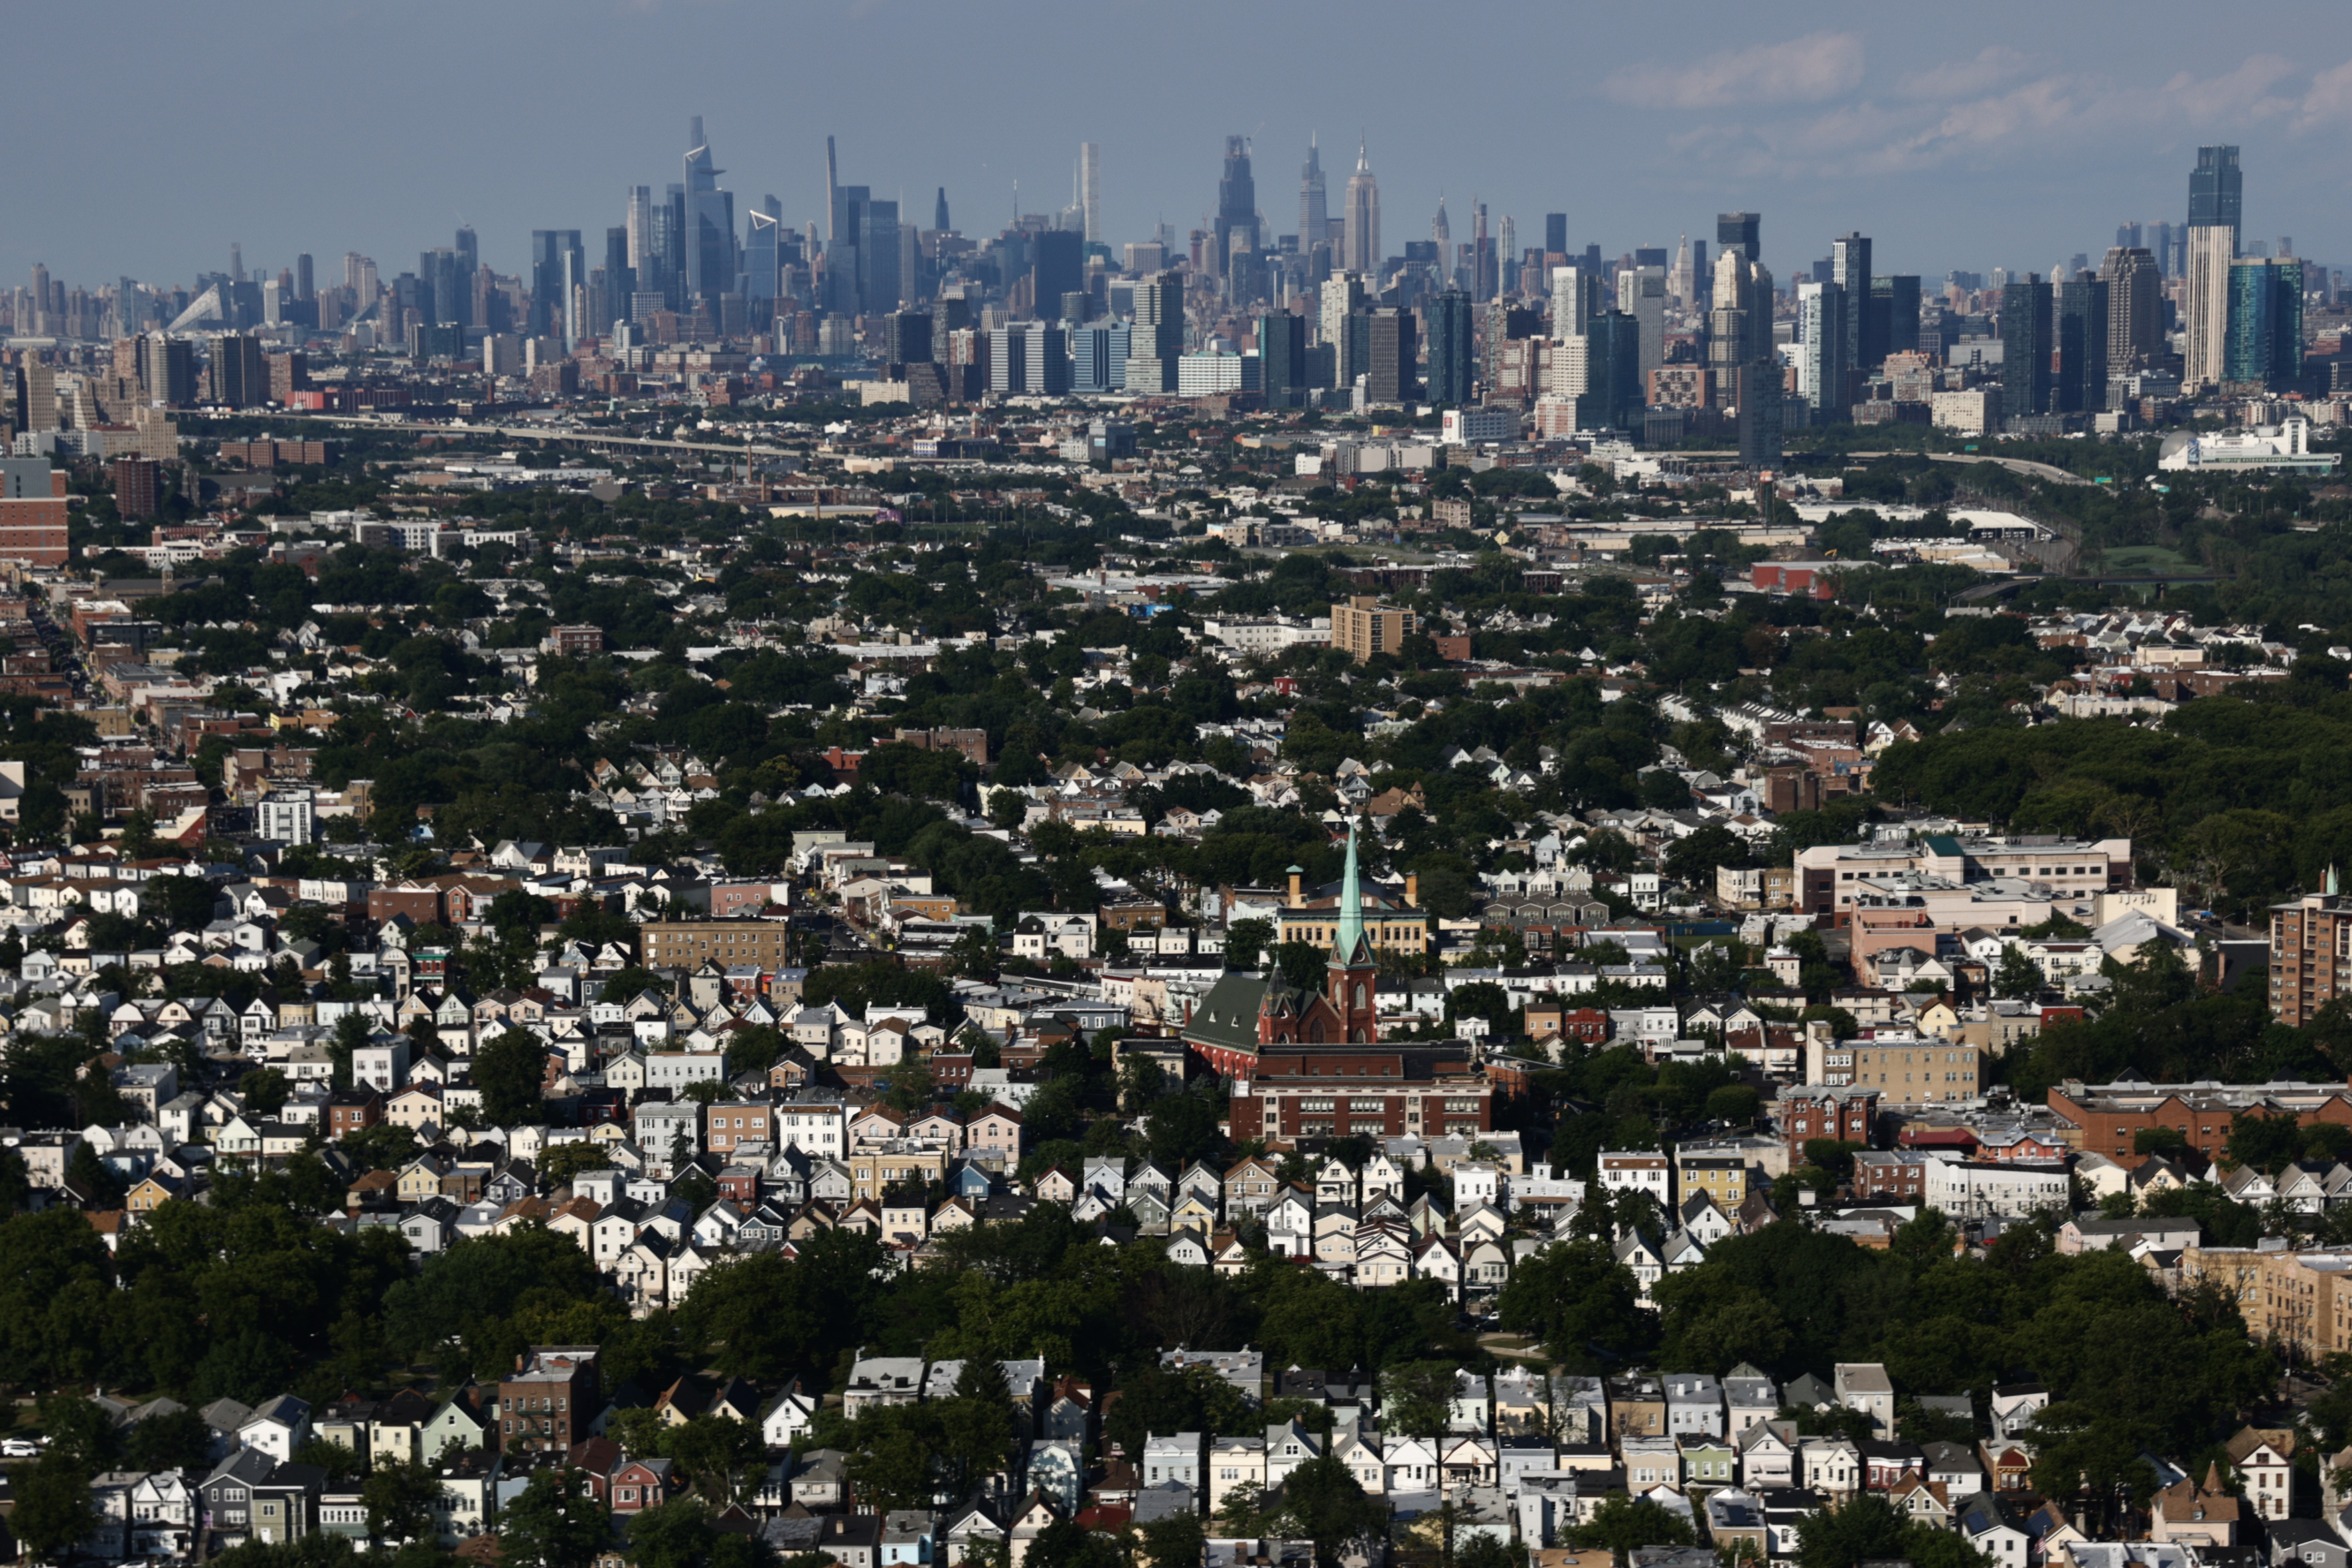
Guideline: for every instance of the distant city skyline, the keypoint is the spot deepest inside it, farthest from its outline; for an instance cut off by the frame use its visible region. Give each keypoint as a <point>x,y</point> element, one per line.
<point>1949,153</point>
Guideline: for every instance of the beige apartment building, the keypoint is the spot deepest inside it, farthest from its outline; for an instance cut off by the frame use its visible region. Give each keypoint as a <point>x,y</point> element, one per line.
<point>1364,627</point>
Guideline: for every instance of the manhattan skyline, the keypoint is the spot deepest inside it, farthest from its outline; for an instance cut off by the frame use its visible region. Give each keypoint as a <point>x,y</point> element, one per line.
<point>1995,145</point>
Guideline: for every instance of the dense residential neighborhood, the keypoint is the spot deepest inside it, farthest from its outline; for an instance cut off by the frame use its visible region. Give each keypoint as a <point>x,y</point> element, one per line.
<point>854,898</point>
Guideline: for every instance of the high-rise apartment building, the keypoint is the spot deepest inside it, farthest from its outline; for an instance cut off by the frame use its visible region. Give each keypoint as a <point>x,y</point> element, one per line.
<point>2206,305</point>
<point>2311,954</point>
<point>2025,333</point>
<point>1340,304</point>
<point>2080,327</point>
<point>2217,192</point>
<point>1600,368</point>
<point>1641,294</point>
<point>2135,308</point>
<point>1029,358</point>
<point>908,334</point>
<point>240,375</point>
<point>1393,358</point>
<point>167,370</point>
<point>1575,300</point>
<point>1363,628</point>
<point>2265,345</point>
<point>1057,266</point>
<point>32,511</point>
<point>37,395</point>
<point>1823,359</point>
<point>1452,367</point>
<point>1158,340</point>
<point>138,487</point>
<point>1742,232</point>
<point>1361,247</point>
<point>1891,320</point>
<point>1850,270</point>
<point>1282,358</point>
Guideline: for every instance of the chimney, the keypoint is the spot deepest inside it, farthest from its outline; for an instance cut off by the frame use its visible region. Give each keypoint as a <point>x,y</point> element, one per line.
<point>1298,898</point>
<point>1413,890</point>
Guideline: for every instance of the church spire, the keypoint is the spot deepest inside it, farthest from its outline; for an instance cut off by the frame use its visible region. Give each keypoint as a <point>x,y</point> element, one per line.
<point>1351,907</point>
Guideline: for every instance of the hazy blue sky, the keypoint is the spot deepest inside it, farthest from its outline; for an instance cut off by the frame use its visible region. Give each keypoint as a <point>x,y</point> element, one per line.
<point>149,135</point>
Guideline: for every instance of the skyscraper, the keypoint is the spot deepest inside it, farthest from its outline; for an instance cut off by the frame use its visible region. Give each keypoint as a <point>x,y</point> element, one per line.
<point>939,212</point>
<point>1742,363</point>
<point>710,224</point>
<point>2217,192</point>
<point>1822,358</point>
<point>861,249</point>
<point>644,259</point>
<point>2080,327</point>
<point>1090,189</point>
<point>1236,207</point>
<point>1641,294</point>
<point>1739,231</point>
<point>1850,270</point>
<point>908,336</point>
<point>1891,319</point>
<point>2025,333</point>
<point>1554,234</point>
<point>2135,308</point>
<point>1575,300</point>
<point>2265,331</point>
<point>304,288</point>
<point>1612,397</point>
<point>2205,304</point>
<point>551,250</point>
<point>1451,365</point>
<point>1361,247</point>
<point>1157,339</point>
<point>1392,372</point>
<point>1056,267</point>
<point>1314,214</point>
<point>763,256</point>
<point>1282,358</point>
<point>1342,300</point>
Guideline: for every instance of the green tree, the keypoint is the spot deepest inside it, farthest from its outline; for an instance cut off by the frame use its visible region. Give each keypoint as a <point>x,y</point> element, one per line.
<point>1246,941</point>
<point>715,1452</point>
<point>2016,974</point>
<point>173,1440</point>
<point>53,1508</point>
<point>2269,1143</point>
<point>400,1498</point>
<point>336,1459</point>
<point>510,1070</point>
<point>1580,1302</point>
<point>1303,963</point>
<point>555,1521</point>
<point>1416,1398</point>
<point>1177,1541</point>
<point>79,1431</point>
<point>1322,1502</point>
<point>1620,1524</point>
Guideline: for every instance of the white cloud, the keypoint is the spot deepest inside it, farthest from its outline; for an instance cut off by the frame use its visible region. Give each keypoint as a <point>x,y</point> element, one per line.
<point>2244,94</point>
<point>1803,70</point>
<point>1965,79</point>
<point>2330,98</point>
